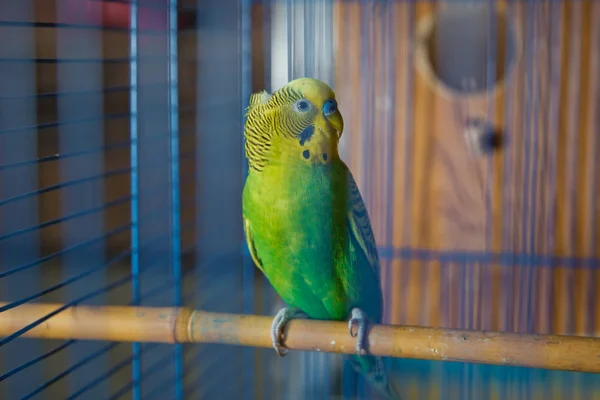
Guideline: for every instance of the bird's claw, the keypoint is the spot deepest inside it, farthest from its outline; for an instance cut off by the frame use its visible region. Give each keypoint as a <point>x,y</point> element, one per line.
<point>358,318</point>
<point>281,318</point>
<point>281,351</point>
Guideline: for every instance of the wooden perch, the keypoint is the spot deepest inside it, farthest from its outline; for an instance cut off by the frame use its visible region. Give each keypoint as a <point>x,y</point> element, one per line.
<point>182,325</point>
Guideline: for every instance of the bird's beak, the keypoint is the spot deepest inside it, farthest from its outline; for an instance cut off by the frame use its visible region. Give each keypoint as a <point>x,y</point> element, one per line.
<point>337,122</point>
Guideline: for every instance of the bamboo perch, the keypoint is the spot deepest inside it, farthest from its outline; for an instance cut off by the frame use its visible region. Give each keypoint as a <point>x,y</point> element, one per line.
<point>183,325</point>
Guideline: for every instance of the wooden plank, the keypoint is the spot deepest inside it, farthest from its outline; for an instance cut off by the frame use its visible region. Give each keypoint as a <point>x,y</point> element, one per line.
<point>521,199</point>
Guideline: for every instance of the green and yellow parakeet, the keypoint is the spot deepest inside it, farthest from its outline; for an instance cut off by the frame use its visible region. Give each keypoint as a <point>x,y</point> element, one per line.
<point>305,222</point>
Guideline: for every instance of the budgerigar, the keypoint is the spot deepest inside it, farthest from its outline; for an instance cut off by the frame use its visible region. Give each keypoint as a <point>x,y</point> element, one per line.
<point>305,222</point>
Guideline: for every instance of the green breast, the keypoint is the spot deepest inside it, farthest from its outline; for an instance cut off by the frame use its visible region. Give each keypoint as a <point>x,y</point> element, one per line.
<point>298,218</point>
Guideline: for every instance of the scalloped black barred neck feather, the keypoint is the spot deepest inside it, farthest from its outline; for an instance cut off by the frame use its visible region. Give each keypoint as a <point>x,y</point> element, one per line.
<point>263,120</point>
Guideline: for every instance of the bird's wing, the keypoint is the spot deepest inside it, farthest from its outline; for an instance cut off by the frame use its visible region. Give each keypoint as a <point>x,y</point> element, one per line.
<point>360,226</point>
<point>251,246</point>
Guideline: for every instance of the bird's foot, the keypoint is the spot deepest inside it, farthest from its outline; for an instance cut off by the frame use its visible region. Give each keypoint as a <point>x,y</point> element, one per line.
<point>281,318</point>
<point>358,318</point>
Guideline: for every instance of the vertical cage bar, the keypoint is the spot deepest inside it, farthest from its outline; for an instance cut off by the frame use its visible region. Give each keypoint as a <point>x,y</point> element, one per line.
<point>490,77</point>
<point>366,135</point>
<point>484,269</point>
<point>594,167</point>
<point>279,59</point>
<point>325,70</point>
<point>390,83</point>
<point>278,43</point>
<point>527,205</point>
<point>544,80</point>
<point>535,76</point>
<point>173,106</point>
<point>291,58</point>
<point>308,43</point>
<point>219,274</point>
<point>267,29</point>
<point>155,219</point>
<point>247,264</point>
<point>571,151</point>
<point>554,58</point>
<point>508,159</point>
<point>134,187</point>
<point>75,77</point>
<point>408,81</point>
<point>18,109</point>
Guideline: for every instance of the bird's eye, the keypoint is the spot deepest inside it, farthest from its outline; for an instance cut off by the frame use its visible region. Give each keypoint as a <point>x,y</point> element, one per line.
<point>302,106</point>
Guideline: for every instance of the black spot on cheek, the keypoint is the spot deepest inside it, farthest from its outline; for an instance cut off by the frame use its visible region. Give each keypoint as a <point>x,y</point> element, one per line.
<point>325,156</point>
<point>306,154</point>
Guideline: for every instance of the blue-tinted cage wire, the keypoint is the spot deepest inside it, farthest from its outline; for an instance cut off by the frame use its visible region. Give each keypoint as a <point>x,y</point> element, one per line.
<point>121,177</point>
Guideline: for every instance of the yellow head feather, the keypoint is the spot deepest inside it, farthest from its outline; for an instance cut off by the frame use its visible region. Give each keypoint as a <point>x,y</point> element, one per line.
<point>257,99</point>
<point>298,124</point>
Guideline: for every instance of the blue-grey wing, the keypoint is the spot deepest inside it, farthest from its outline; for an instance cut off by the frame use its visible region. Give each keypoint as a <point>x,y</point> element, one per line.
<point>360,226</point>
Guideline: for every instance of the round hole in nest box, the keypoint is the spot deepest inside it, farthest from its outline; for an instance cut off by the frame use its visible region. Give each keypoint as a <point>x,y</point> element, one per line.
<point>470,47</point>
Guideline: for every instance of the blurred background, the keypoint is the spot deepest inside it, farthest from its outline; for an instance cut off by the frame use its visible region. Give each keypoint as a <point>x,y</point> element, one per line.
<point>471,128</point>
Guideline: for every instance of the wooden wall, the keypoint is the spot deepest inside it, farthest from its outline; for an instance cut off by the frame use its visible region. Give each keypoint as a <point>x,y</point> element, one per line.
<point>427,190</point>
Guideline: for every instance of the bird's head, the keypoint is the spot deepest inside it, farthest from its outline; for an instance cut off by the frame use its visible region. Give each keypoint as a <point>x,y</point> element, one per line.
<point>298,124</point>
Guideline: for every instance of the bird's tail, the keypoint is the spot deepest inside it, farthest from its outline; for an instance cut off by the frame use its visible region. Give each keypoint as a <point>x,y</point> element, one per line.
<point>373,370</point>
